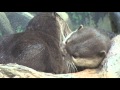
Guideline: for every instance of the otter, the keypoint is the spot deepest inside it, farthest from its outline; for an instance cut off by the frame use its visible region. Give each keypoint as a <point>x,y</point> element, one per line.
<point>38,47</point>
<point>87,47</point>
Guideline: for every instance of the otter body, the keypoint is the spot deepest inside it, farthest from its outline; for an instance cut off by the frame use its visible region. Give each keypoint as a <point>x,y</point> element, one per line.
<point>38,47</point>
<point>87,46</point>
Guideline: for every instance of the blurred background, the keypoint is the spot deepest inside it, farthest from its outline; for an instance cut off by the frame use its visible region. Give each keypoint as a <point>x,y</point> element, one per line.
<point>15,22</point>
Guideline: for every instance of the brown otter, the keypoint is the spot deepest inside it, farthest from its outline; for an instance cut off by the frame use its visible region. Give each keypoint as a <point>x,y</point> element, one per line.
<point>38,47</point>
<point>87,46</point>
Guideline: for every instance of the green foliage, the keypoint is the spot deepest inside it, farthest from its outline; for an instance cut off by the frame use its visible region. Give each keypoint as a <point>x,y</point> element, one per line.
<point>19,29</point>
<point>84,18</point>
<point>91,22</point>
<point>0,34</point>
<point>63,15</point>
<point>92,19</point>
<point>104,23</point>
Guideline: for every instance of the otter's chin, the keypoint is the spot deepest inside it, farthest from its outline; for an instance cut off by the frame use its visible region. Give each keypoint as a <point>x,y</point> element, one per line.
<point>87,62</point>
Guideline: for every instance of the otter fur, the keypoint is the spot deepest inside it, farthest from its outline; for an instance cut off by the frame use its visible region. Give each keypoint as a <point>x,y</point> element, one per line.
<point>87,47</point>
<point>38,47</point>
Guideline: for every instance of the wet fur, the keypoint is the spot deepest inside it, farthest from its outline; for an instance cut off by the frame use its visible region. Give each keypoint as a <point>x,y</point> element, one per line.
<point>38,47</point>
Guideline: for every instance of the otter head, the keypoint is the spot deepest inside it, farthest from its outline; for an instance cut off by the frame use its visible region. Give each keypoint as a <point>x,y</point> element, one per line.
<point>87,47</point>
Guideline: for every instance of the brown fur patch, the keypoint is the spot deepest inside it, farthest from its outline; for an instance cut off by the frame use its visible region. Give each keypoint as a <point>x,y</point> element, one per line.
<point>37,47</point>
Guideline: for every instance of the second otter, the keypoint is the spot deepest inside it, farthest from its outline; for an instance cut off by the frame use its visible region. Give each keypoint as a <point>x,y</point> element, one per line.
<point>87,46</point>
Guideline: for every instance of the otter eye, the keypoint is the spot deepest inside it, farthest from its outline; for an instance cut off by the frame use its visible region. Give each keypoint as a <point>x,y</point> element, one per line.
<point>76,54</point>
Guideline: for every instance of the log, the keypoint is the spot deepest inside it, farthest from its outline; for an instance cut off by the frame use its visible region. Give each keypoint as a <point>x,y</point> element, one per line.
<point>110,68</point>
<point>111,64</point>
<point>18,71</point>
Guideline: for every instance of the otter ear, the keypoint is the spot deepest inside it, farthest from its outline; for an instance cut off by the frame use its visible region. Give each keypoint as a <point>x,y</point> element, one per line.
<point>103,53</point>
<point>80,27</point>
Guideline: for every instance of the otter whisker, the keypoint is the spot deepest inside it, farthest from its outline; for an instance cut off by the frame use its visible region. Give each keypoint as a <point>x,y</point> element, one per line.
<point>68,65</point>
<point>74,66</point>
<point>71,67</point>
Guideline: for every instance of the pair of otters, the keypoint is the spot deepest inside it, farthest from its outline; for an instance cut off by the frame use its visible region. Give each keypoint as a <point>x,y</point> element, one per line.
<point>39,47</point>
